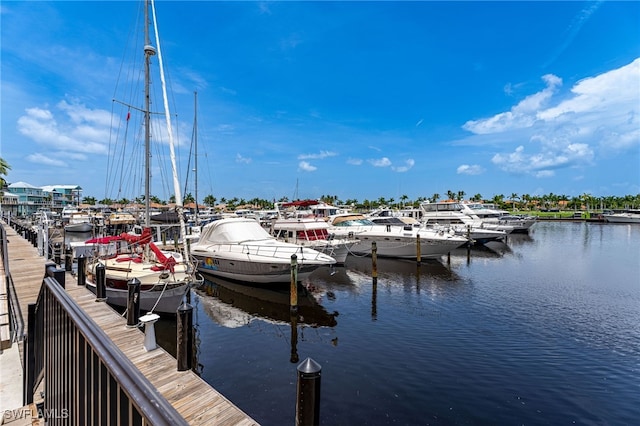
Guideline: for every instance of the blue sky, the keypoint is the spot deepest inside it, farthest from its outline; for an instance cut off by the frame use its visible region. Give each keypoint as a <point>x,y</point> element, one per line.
<point>355,99</point>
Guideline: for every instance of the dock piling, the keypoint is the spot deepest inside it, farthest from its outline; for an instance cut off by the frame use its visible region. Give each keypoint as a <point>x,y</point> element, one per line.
<point>57,253</point>
<point>101,283</point>
<point>133,302</point>
<point>293,297</point>
<point>68,259</point>
<point>184,354</point>
<point>308,392</point>
<point>82,274</point>
<point>374,261</point>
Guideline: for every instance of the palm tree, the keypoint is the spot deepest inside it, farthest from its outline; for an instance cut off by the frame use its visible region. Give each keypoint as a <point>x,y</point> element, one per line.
<point>435,197</point>
<point>4,169</point>
<point>514,198</point>
<point>404,199</point>
<point>498,200</point>
<point>460,195</point>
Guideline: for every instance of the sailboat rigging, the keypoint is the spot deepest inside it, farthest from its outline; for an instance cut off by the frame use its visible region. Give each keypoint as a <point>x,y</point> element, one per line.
<point>165,276</point>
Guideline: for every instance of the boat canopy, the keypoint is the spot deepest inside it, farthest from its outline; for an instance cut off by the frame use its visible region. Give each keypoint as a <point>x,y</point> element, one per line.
<point>234,231</point>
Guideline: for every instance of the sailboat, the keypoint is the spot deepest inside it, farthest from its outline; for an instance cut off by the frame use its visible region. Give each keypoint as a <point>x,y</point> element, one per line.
<point>165,276</point>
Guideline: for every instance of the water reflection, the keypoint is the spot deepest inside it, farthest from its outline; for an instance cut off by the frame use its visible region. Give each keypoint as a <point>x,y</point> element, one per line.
<point>233,304</point>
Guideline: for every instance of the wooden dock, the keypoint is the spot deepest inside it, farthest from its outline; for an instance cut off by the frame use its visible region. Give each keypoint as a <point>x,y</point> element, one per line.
<point>194,399</point>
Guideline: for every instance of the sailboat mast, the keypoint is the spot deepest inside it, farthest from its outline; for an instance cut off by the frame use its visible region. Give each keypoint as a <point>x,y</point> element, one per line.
<point>167,115</point>
<point>195,138</point>
<point>149,51</point>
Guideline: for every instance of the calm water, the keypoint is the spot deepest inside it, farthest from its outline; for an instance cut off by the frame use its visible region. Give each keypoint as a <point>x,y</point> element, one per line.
<point>542,330</point>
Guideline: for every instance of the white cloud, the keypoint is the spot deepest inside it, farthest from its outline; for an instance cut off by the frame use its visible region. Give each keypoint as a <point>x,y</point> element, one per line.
<point>241,159</point>
<point>466,169</point>
<point>321,155</point>
<point>521,115</point>
<point>80,114</point>
<point>304,165</point>
<point>600,115</point>
<point>84,131</point>
<point>355,161</point>
<point>381,162</point>
<point>408,165</point>
<point>543,163</point>
<point>46,160</point>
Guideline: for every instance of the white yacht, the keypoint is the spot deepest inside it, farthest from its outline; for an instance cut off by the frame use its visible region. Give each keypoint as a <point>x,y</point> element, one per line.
<point>394,241</point>
<point>240,249</point>
<point>629,216</point>
<point>451,215</point>
<point>315,233</point>
<point>502,219</point>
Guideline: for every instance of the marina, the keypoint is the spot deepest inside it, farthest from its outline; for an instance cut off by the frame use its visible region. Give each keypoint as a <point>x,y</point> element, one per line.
<point>541,329</point>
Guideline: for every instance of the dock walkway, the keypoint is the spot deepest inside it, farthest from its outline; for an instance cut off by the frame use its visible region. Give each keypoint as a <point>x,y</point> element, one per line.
<point>194,399</point>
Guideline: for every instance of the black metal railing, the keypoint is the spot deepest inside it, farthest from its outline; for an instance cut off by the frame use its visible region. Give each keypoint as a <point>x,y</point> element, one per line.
<point>87,378</point>
<point>16,321</point>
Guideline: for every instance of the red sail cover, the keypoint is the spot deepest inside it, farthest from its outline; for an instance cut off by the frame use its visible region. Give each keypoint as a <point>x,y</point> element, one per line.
<point>143,239</point>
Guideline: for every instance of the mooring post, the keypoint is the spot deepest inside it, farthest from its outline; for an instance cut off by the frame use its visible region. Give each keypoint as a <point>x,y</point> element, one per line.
<point>184,318</point>
<point>82,274</point>
<point>294,339</point>
<point>374,261</point>
<point>133,302</point>
<point>308,402</point>
<point>418,254</point>
<point>293,299</point>
<point>56,253</point>
<point>68,259</point>
<point>101,283</point>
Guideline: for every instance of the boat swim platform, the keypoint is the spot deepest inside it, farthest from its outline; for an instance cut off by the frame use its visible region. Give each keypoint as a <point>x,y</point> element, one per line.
<point>193,398</point>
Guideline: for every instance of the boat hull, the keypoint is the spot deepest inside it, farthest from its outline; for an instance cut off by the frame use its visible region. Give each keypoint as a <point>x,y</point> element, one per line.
<point>253,271</point>
<point>622,218</point>
<point>154,299</point>
<point>398,246</point>
<point>79,227</point>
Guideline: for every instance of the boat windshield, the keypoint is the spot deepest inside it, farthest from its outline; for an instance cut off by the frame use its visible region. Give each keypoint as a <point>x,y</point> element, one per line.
<point>354,222</point>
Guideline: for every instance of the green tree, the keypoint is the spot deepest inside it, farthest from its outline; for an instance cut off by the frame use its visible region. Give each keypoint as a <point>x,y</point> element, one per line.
<point>209,200</point>
<point>4,170</point>
<point>89,200</point>
<point>188,198</point>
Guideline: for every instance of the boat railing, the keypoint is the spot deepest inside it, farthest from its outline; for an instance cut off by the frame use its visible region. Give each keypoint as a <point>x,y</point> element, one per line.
<point>266,250</point>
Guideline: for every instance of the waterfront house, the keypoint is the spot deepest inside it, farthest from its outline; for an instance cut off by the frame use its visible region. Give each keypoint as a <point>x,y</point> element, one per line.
<point>24,199</point>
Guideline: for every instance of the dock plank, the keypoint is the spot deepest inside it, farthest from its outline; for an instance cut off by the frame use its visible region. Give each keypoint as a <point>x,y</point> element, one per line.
<point>193,398</point>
